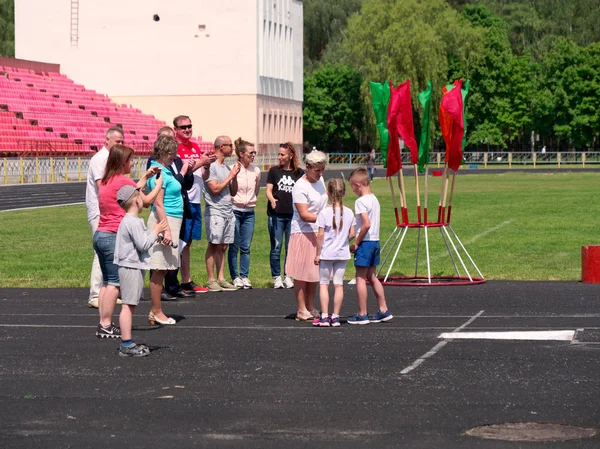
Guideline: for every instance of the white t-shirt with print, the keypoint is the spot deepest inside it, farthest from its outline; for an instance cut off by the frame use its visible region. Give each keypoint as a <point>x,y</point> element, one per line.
<point>335,242</point>
<point>312,194</point>
<point>95,172</point>
<point>370,205</point>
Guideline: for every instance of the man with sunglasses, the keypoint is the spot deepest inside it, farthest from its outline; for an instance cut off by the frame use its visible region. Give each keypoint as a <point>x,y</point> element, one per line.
<point>189,150</point>
<point>221,184</point>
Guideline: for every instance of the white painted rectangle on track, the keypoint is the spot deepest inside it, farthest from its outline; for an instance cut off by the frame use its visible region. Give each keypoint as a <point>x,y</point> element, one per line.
<point>519,335</point>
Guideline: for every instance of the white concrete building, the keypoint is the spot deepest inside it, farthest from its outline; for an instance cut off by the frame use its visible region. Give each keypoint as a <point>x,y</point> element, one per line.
<point>234,66</point>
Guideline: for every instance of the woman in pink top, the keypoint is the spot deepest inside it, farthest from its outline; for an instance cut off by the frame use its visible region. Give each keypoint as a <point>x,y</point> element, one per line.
<point>244,202</point>
<point>118,165</point>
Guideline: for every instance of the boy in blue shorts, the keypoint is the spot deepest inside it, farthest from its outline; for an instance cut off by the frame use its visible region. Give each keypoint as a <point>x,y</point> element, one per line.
<point>366,249</point>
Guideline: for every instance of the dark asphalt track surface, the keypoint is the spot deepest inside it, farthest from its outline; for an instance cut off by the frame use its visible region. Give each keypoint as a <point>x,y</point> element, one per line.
<point>54,194</point>
<point>236,373</point>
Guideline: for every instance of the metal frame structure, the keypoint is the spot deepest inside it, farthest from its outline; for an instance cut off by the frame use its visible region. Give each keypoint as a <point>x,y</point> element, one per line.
<point>460,257</point>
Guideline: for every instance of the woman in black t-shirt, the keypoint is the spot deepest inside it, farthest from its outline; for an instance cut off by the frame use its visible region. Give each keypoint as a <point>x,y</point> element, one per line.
<point>280,182</point>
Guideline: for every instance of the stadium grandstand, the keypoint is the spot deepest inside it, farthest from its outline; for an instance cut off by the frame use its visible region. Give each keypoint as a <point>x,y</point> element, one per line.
<point>44,113</point>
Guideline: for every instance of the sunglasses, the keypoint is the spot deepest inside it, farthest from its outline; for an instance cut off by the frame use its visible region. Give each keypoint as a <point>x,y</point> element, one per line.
<point>185,127</point>
<point>251,153</point>
<point>227,145</point>
<point>284,145</point>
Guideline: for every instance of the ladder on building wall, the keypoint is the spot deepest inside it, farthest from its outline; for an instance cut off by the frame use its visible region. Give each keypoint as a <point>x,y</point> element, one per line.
<point>74,23</point>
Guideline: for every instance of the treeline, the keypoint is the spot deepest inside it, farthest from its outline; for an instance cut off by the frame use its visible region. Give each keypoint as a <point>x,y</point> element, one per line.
<point>534,68</point>
<point>7,28</point>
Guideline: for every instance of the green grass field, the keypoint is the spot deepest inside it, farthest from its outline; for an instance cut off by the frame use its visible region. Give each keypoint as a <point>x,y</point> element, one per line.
<point>516,226</point>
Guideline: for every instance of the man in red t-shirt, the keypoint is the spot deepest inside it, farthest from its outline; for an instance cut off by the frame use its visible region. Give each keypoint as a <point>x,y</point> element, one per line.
<point>193,226</point>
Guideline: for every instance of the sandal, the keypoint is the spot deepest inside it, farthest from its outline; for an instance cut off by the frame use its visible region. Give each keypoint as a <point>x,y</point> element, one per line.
<point>306,317</point>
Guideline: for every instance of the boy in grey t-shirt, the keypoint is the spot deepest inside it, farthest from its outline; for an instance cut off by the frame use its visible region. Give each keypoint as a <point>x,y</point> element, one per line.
<point>131,255</point>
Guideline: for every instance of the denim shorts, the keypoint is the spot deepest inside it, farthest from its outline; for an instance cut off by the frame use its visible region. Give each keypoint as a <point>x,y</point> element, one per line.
<point>367,254</point>
<point>104,245</point>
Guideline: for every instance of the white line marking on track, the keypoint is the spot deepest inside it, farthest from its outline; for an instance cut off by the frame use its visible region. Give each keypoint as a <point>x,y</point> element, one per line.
<point>41,207</point>
<point>522,335</point>
<point>439,346</point>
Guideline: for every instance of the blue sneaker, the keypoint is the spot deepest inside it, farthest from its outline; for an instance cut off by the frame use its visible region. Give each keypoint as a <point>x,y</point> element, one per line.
<point>358,319</point>
<point>380,316</point>
<point>335,322</point>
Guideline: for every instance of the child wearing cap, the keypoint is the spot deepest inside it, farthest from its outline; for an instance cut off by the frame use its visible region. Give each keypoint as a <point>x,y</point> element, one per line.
<point>131,255</point>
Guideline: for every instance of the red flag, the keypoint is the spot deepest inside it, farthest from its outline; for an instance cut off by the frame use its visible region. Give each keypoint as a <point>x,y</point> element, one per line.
<point>400,122</point>
<point>452,125</point>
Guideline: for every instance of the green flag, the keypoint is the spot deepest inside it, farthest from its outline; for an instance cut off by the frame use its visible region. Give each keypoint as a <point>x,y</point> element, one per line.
<point>380,94</point>
<point>425,142</point>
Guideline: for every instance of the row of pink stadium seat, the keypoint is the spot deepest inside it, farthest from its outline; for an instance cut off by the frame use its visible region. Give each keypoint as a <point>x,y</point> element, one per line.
<point>49,104</point>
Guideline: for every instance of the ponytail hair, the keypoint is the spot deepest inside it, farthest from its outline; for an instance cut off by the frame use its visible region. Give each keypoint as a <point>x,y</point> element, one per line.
<point>336,190</point>
<point>241,145</point>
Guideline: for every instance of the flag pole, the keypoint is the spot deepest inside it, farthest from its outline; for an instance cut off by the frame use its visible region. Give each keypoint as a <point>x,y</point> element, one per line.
<point>402,196</point>
<point>446,181</point>
<point>426,194</point>
<point>442,194</point>
<point>451,193</point>
<point>394,201</point>
<point>418,193</point>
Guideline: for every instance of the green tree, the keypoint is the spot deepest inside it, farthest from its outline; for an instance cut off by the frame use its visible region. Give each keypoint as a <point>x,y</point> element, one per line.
<point>7,28</point>
<point>567,101</point>
<point>333,113</point>
<point>407,39</point>
<point>324,21</point>
<point>499,108</point>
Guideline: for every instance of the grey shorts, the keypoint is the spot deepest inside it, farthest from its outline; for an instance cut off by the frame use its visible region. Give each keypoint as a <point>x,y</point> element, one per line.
<point>329,269</point>
<point>132,285</point>
<point>220,230</point>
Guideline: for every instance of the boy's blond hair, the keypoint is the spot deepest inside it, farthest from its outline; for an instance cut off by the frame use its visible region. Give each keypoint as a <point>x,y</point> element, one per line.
<point>361,176</point>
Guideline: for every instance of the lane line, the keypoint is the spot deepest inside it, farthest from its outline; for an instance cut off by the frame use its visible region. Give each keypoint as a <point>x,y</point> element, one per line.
<point>439,346</point>
<point>182,326</point>
<point>41,207</point>
<point>396,317</point>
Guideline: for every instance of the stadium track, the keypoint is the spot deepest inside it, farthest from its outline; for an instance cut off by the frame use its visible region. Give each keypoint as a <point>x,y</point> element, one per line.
<point>58,194</point>
<point>235,373</point>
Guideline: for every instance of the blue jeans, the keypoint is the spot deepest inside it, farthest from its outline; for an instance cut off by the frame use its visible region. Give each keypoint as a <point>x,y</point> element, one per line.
<point>244,230</point>
<point>278,226</point>
<point>104,245</point>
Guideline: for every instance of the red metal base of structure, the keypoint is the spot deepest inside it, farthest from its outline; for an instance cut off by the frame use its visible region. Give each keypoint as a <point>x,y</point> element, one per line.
<point>436,281</point>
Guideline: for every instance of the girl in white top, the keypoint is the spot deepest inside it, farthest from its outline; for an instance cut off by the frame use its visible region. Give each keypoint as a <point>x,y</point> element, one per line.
<point>337,227</point>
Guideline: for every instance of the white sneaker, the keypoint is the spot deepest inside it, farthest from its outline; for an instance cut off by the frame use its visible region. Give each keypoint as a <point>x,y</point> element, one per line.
<point>238,282</point>
<point>277,282</point>
<point>246,283</point>
<point>352,281</point>
<point>93,303</point>
<point>288,283</point>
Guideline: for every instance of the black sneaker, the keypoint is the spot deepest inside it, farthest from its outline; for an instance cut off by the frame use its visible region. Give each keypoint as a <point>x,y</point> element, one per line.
<point>134,350</point>
<point>111,331</point>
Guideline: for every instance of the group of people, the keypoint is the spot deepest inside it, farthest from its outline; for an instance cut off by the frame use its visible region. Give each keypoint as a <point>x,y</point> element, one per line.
<point>178,175</point>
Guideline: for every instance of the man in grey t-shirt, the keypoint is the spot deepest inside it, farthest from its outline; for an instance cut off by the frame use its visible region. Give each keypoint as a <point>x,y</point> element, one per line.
<point>220,185</point>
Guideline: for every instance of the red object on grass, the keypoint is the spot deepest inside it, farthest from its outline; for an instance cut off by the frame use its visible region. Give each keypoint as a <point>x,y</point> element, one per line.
<point>590,264</point>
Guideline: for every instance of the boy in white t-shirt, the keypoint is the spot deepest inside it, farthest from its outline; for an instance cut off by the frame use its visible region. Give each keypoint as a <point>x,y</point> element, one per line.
<point>336,228</point>
<point>366,249</point>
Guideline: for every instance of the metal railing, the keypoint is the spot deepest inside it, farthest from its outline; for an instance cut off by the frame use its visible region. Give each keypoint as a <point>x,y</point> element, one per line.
<point>28,170</point>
